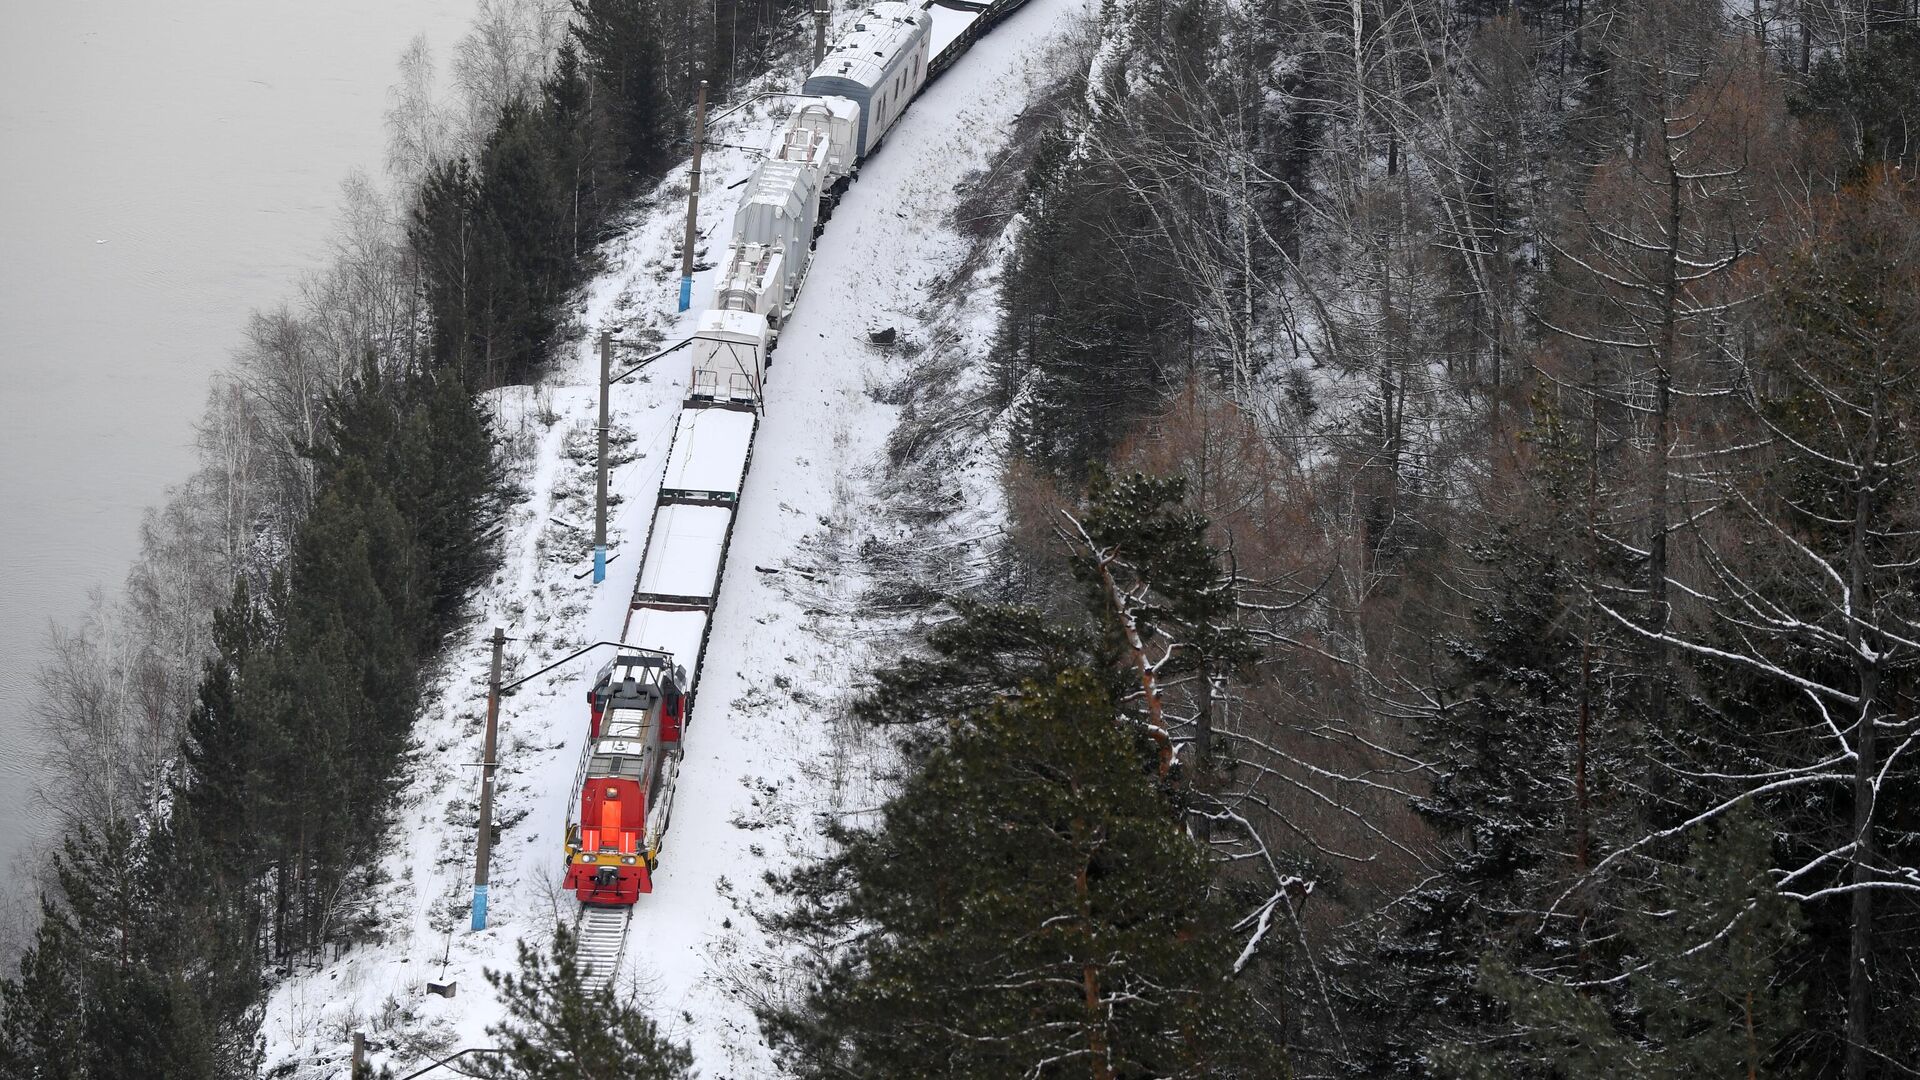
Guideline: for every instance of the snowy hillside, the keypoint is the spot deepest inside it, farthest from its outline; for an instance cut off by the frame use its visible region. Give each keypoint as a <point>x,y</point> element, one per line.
<point>768,749</point>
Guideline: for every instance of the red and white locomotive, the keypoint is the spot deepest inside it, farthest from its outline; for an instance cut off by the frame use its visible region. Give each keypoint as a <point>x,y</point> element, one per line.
<point>626,776</point>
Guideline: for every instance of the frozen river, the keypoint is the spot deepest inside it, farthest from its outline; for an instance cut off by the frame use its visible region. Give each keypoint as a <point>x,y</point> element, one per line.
<point>166,167</point>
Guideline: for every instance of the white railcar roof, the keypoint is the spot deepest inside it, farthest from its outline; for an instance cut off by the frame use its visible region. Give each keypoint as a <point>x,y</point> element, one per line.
<point>879,34</point>
<point>732,326</point>
<point>674,630</point>
<point>683,551</point>
<point>778,183</point>
<point>710,450</point>
<point>840,108</point>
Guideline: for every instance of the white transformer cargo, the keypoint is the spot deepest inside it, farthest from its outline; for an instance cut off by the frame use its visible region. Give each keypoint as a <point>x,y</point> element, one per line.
<point>879,67</point>
<point>824,132</point>
<point>780,209</point>
<point>754,280</point>
<point>729,357</point>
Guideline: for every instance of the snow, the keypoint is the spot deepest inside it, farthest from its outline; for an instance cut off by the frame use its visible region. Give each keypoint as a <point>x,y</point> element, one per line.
<point>709,452</point>
<point>676,631</point>
<point>769,747</point>
<point>683,552</point>
<point>948,23</point>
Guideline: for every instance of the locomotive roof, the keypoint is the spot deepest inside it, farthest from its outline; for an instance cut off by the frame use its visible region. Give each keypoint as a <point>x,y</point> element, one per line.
<point>879,34</point>
<point>624,748</point>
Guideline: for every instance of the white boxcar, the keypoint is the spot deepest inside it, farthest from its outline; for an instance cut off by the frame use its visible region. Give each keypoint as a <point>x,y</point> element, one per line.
<point>879,67</point>
<point>729,356</point>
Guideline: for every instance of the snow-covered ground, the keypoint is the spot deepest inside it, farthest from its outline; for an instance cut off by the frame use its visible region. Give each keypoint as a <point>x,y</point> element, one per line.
<point>768,748</point>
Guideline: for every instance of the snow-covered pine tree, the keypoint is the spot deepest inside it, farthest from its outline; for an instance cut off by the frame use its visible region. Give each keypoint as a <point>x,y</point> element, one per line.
<point>1500,743</point>
<point>1165,596</point>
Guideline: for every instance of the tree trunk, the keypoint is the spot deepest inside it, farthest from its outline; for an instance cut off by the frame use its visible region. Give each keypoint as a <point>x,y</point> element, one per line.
<point>1156,721</point>
<point>1866,660</point>
<point>1659,613</point>
<point>1099,1065</point>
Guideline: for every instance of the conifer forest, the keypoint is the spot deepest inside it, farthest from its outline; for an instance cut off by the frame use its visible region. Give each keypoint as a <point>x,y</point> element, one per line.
<point>1444,599</point>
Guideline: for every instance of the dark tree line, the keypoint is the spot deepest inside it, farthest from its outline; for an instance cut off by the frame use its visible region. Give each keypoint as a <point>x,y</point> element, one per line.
<point>1537,364</point>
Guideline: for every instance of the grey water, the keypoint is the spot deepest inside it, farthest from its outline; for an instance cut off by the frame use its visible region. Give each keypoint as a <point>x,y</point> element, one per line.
<point>164,168</point>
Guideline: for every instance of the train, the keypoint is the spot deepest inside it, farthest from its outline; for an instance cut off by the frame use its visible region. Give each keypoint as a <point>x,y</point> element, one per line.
<point>639,703</point>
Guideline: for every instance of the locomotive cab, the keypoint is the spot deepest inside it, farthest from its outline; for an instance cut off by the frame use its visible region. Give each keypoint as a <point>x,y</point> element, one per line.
<point>625,781</point>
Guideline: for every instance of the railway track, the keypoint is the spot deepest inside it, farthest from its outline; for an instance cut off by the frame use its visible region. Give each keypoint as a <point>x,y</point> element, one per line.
<point>603,939</point>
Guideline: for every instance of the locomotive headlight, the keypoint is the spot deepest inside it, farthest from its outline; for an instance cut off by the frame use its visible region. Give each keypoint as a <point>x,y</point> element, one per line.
<point>628,859</point>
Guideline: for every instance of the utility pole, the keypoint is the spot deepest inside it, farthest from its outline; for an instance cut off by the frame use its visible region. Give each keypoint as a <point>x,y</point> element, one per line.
<point>484,850</point>
<point>820,13</point>
<point>693,197</point>
<point>359,1056</point>
<point>600,498</point>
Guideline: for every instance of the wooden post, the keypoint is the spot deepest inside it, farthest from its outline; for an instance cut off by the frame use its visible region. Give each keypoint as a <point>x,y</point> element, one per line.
<point>600,499</point>
<point>484,849</point>
<point>359,1056</point>
<point>693,197</point>
<point>820,13</point>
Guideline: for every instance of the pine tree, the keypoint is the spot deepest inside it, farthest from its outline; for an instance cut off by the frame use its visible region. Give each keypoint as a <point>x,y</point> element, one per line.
<point>1167,603</point>
<point>430,443</point>
<point>1874,92</point>
<point>42,1017</point>
<point>457,260</point>
<point>558,1030</point>
<point>1027,906</point>
<point>580,160</point>
<point>1706,992</point>
<point>213,795</point>
<point>525,207</point>
<point>985,651</point>
<point>143,1016</point>
<point>1500,741</point>
<point>619,40</point>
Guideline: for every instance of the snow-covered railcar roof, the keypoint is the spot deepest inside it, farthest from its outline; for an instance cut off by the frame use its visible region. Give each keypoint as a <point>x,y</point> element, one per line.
<point>732,326</point>
<point>676,630</point>
<point>779,184</point>
<point>683,551</point>
<point>709,451</point>
<point>948,24</point>
<point>835,106</point>
<point>879,35</point>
